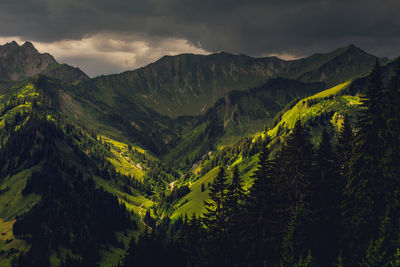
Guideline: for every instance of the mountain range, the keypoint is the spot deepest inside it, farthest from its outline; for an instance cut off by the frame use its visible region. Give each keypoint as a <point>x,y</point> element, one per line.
<point>145,144</point>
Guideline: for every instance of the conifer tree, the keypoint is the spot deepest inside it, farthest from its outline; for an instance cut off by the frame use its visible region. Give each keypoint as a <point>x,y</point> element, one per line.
<point>234,204</point>
<point>296,166</point>
<point>130,257</point>
<point>366,189</point>
<point>294,251</point>
<point>215,215</point>
<point>184,232</point>
<point>196,240</point>
<point>215,219</point>
<point>344,147</point>
<point>327,187</point>
<point>377,252</point>
<point>296,169</point>
<point>392,139</point>
<point>190,240</point>
<point>234,199</point>
<point>374,99</point>
<point>263,222</point>
<point>391,165</point>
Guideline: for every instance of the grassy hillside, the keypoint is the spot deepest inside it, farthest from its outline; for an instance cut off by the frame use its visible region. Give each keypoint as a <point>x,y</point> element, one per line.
<point>193,203</point>
<point>323,110</point>
<point>12,204</point>
<point>27,107</point>
<point>320,105</point>
<point>237,115</point>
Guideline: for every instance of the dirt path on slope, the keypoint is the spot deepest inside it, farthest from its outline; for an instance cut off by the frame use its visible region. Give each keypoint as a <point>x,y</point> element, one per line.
<point>171,185</point>
<point>141,217</point>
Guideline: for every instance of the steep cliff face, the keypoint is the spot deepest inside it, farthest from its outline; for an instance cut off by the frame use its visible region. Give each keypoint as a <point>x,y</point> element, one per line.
<point>19,62</point>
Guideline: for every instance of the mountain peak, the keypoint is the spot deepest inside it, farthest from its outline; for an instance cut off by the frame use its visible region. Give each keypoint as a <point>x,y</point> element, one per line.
<point>339,65</point>
<point>12,43</point>
<point>8,46</point>
<point>353,49</point>
<point>19,62</point>
<point>29,46</point>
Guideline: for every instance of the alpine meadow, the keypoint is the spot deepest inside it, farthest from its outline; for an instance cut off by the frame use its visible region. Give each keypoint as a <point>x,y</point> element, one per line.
<point>273,154</point>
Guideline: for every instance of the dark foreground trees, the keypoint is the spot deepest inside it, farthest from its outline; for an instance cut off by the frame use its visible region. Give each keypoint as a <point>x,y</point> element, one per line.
<point>336,204</point>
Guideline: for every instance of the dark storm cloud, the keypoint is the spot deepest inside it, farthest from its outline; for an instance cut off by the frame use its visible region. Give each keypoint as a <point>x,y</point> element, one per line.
<point>252,27</point>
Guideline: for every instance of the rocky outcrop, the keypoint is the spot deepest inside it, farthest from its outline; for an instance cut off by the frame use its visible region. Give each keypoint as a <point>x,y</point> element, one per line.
<point>19,62</point>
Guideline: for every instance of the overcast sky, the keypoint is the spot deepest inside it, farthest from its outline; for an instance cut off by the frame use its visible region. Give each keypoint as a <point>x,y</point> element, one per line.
<point>110,36</point>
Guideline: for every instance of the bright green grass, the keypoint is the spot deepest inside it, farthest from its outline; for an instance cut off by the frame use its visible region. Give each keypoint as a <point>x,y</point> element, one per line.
<point>304,112</point>
<point>122,162</point>
<point>331,91</point>
<point>27,90</point>
<point>12,203</point>
<point>352,100</point>
<point>339,105</point>
<point>125,167</point>
<point>122,146</point>
<point>6,227</point>
<point>300,109</point>
<point>23,108</point>
<point>196,198</point>
<point>132,202</point>
<point>246,170</point>
<point>21,92</point>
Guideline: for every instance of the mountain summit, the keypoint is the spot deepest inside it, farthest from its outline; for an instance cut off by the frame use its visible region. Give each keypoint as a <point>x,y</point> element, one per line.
<point>20,62</point>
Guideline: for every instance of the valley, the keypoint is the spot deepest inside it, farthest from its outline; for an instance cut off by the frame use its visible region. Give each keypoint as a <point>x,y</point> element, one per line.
<point>89,164</point>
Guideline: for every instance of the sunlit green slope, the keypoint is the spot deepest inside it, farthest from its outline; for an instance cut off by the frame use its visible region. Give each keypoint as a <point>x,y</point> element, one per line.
<point>32,130</point>
<point>324,110</point>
